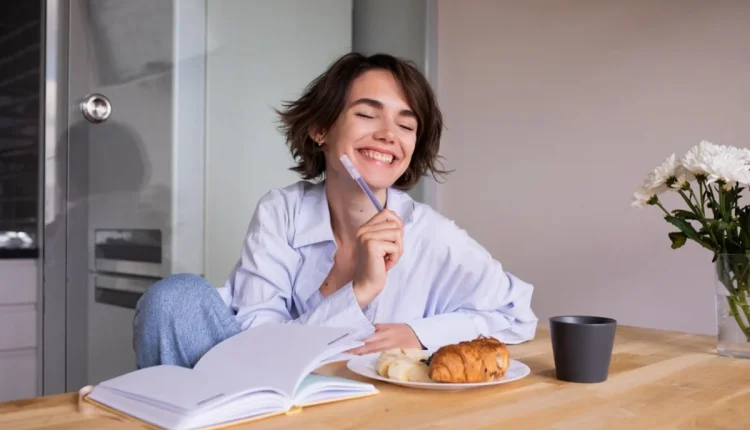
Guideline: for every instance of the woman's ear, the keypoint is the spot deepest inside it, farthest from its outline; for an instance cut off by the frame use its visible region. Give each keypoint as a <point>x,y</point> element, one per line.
<point>317,135</point>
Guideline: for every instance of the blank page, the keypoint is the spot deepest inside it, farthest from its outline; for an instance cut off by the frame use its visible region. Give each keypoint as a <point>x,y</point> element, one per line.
<point>171,387</point>
<point>270,356</point>
<point>320,388</point>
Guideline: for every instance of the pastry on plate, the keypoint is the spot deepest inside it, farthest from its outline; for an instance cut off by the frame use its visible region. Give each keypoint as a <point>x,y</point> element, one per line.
<point>403,365</point>
<point>483,359</point>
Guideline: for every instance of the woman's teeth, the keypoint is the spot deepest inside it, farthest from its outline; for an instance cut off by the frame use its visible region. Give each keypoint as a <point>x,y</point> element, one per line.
<point>378,156</point>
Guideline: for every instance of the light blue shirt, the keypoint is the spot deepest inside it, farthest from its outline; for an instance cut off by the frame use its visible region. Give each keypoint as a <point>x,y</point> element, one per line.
<point>446,286</point>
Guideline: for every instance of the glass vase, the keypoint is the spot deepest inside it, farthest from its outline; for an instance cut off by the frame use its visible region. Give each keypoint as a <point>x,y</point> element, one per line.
<point>732,276</point>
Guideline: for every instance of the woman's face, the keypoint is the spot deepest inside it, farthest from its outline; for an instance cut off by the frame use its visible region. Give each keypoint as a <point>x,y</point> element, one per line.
<point>377,129</point>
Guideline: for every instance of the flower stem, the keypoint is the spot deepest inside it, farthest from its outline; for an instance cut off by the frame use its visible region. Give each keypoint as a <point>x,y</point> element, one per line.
<point>702,219</point>
<point>733,301</point>
<point>697,202</point>
<point>658,203</point>
<point>712,199</point>
<point>689,203</point>
<point>735,279</point>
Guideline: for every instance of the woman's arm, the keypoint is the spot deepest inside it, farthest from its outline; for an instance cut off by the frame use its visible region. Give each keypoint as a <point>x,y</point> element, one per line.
<point>476,295</point>
<point>259,288</point>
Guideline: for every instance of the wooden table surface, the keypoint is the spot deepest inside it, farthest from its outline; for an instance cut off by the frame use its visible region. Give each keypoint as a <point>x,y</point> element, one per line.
<point>657,380</point>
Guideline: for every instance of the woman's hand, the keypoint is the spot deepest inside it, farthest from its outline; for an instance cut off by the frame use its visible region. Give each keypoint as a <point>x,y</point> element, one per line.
<point>389,336</point>
<point>379,247</point>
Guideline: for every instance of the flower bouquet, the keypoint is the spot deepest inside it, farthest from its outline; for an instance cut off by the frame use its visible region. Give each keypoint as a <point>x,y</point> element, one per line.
<point>710,180</point>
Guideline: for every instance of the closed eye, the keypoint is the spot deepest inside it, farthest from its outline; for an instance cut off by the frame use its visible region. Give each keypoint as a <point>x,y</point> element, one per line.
<point>363,115</point>
<point>406,127</point>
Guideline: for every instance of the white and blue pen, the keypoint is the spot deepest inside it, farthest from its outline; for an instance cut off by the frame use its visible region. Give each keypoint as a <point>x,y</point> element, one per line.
<point>360,180</point>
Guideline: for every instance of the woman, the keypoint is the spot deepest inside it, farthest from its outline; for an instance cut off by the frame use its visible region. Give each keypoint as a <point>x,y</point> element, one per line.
<point>321,253</point>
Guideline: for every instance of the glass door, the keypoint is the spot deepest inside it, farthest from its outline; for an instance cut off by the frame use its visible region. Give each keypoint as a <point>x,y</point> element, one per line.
<point>124,195</point>
<point>160,138</point>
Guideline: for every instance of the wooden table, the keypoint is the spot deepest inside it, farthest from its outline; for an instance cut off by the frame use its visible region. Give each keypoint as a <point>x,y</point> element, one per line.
<point>657,380</point>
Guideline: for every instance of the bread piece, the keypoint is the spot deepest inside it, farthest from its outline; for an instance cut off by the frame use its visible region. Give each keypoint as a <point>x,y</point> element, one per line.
<point>383,363</point>
<point>483,359</point>
<point>403,365</point>
<point>399,369</point>
<point>419,372</point>
<point>416,354</point>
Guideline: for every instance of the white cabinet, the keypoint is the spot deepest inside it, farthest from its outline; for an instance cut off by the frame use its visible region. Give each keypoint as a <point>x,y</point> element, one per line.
<point>18,329</point>
<point>18,282</point>
<point>18,373</point>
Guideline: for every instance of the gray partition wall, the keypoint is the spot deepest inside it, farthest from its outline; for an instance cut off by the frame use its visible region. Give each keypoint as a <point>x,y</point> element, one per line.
<point>406,29</point>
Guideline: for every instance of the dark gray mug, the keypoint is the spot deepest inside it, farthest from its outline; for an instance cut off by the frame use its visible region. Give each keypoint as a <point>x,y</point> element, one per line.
<point>582,347</point>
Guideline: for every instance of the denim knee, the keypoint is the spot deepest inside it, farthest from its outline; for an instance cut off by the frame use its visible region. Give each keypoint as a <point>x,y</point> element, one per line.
<point>174,296</point>
<point>178,319</point>
<point>170,292</point>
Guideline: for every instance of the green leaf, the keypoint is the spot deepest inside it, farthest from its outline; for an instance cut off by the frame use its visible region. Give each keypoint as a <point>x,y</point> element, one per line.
<point>687,229</point>
<point>681,213</point>
<point>678,239</point>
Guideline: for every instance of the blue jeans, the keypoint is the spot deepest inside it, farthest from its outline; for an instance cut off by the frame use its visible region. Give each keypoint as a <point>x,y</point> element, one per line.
<point>178,319</point>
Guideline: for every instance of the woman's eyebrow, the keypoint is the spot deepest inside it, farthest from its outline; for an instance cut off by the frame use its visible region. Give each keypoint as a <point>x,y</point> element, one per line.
<point>378,105</point>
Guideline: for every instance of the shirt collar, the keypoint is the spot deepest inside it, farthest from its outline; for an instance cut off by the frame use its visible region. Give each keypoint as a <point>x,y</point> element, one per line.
<point>313,222</point>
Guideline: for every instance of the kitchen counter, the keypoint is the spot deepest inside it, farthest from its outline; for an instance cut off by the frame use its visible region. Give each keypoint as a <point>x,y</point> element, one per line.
<point>16,253</point>
<point>658,379</point>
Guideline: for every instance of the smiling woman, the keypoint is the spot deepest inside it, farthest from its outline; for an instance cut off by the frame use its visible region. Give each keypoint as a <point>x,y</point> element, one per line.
<point>376,98</point>
<point>319,251</point>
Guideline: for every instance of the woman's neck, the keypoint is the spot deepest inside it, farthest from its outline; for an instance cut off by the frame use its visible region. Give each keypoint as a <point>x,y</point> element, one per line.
<point>349,207</point>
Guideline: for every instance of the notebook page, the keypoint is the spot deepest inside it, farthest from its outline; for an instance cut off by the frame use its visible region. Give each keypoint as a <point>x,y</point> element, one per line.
<point>142,411</point>
<point>333,352</point>
<point>317,388</point>
<point>344,356</point>
<point>177,389</point>
<point>256,405</point>
<point>272,355</point>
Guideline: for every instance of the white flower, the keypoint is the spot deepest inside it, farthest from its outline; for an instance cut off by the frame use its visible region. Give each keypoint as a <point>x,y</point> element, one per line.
<point>661,179</point>
<point>644,196</point>
<point>681,183</point>
<point>641,197</point>
<point>699,158</point>
<point>719,163</point>
<point>729,165</point>
<point>662,174</point>
<point>739,153</point>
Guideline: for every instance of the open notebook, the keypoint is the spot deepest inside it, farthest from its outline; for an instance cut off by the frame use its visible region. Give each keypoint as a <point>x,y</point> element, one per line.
<point>261,372</point>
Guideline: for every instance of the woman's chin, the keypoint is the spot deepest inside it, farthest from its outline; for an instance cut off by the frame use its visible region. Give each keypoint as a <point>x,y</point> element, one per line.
<point>380,178</point>
<point>379,183</point>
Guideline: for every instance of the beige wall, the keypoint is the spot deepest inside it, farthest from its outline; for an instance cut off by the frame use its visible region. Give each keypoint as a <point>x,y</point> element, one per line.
<point>556,111</point>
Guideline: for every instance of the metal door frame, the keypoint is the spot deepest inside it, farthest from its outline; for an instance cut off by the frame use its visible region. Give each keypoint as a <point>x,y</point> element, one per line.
<point>51,349</point>
<point>61,328</point>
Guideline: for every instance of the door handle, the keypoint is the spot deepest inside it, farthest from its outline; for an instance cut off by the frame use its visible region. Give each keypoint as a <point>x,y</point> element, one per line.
<point>96,108</point>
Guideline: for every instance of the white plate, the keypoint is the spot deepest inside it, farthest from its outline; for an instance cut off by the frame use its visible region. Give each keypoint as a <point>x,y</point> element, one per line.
<point>365,365</point>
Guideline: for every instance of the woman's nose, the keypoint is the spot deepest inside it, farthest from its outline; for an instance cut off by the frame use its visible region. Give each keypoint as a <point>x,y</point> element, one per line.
<point>385,135</point>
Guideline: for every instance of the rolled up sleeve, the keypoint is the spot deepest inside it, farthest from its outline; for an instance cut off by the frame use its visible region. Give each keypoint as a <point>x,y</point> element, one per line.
<point>476,297</point>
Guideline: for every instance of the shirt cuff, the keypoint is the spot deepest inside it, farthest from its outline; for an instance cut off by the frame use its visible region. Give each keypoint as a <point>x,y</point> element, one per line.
<point>341,309</point>
<point>444,329</point>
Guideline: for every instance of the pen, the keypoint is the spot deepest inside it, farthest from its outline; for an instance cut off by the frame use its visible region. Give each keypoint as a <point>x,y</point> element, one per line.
<point>360,180</point>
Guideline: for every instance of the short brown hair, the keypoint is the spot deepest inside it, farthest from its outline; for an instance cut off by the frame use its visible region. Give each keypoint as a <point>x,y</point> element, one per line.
<point>325,97</point>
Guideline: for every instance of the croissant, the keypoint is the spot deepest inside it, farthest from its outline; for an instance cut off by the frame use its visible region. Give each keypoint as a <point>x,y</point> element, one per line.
<point>480,360</point>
